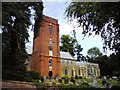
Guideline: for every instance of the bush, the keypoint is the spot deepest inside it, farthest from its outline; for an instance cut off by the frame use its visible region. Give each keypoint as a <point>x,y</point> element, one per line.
<point>65,77</point>
<point>100,77</point>
<point>72,80</point>
<point>80,77</point>
<point>42,79</point>
<point>40,84</point>
<point>76,76</point>
<point>108,76</point>
<point>85,83</point>
<point>66,81</point>
<point>32,75</point>
<point>60,80</point>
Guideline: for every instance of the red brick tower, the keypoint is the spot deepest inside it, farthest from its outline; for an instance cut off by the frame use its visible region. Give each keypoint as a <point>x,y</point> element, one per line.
<point>46,50</point>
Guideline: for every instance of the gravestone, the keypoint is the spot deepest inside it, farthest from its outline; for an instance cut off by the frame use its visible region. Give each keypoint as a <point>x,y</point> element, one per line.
<point>95,84</point>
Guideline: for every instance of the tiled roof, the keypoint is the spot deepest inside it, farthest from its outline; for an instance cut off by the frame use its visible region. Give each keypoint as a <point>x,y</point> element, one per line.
<point>66,55</point>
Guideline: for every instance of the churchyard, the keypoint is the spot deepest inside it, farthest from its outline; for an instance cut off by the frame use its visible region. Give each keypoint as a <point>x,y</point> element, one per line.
<point>77,82</point>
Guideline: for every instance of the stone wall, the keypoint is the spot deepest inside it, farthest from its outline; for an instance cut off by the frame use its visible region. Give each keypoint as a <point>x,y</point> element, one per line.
<point>17,84</point>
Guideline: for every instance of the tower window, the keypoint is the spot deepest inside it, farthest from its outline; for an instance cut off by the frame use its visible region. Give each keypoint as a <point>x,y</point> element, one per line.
<point>50,53</point>
<point>50,29</point>
<point>50,63</point>
<point>50,48</point>
<point>50,41</point>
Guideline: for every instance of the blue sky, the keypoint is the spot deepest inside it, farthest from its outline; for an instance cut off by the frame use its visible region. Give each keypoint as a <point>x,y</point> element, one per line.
<point>56,10</point>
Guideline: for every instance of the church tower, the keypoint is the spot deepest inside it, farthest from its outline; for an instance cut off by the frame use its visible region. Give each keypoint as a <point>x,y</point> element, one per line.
<point>46,50</point>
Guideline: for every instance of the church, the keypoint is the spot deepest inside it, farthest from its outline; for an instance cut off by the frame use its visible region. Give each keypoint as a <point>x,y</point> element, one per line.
<point>46,57</point>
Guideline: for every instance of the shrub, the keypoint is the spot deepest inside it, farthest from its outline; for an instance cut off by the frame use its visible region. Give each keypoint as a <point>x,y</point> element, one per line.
<point>100,77</point>
<point>76,76</point>
<point>42,79</point>
<point>66,79</point>
<point>72,80</point>
<point>80,77</point>
<point>60,80</point>
<point>85,83</point>
<point>33,75</point>
<point>108,76</point>
<point>40,84</point>
<point>47,77</point>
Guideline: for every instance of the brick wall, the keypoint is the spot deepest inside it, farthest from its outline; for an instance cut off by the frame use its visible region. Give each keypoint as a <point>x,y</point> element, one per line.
<point>40,55</point>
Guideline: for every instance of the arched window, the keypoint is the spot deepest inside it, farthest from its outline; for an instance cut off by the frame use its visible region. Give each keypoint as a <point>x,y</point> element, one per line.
<point>66,71</point>
<point>50,62</point>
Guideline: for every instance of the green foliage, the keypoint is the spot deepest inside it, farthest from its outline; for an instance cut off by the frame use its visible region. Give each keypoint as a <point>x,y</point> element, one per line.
<point>16,21</point>
<point>99,18</point>
<point>76,77</point>
<point>40,84</point>
<point>80,77</point>
<point>96,19</point>
<point>67,44</point>
<point>32,75</point>
<point>85,84</point>
<point>72,79</point>
<point>74,86</point>
<point>94,53</point>
<point>70,44</point>
<point>79,49</point>
<point>42,79</point>
<point>65,77</point>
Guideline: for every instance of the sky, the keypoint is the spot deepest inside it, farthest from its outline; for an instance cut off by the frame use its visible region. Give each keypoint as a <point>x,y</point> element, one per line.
<point>57,10</point>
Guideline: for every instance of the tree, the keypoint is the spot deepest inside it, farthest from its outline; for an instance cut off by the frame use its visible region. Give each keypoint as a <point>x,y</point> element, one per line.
<point>16,21</point>
<point>94,52</point>
<point>68,44</point>
<point>99,18</point>
<point>114,62</point>
<point>103,62</point>
<point>78,50</point>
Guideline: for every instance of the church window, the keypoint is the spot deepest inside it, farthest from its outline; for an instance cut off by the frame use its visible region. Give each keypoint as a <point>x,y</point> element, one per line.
<point>67,62</point>
<point>50,48</point>
<point>79,71</point>
<point>89,71</point>
<point>72,72</point>
<point>50,41</point>
<point>50,29</point>
<point>50,62</point>
<point>66,71</point>
<point>50,53</point>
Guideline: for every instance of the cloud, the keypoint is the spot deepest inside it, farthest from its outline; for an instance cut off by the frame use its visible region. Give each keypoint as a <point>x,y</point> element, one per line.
<point>65,28</point>
<point>87,42</point>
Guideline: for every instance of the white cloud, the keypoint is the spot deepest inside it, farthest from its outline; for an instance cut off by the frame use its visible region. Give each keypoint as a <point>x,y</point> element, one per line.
<point>65,28</point>
<point>87,42</point>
